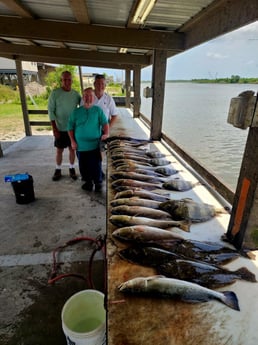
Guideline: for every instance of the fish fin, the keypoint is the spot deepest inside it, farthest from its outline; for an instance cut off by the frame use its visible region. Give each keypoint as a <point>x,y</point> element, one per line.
<point>230,299</point>
<point>157,276</point>
<point>246,274</point>
<point>185,225</point>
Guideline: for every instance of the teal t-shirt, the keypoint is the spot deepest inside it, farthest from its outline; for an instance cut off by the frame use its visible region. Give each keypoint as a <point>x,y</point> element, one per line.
<point>60,106</point>
<point>87,126</point>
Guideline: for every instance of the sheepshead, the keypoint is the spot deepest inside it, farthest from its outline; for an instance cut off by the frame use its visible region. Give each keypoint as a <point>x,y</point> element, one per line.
<point>144,234</point>
<point>210,252</point>
<point>207,275</point>
<point>124,220</point>
<point>141,211</point>
<point>147,256</point>
<point>135,201</point>
<point>117,184</point>
<point>136,176</point>
<point>159,286</point>
<point>144,194</point>
<point>179,185</point>
<point>191,210</point>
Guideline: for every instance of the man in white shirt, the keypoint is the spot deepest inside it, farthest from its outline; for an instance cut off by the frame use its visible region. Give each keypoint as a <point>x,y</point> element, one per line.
<point>103,100</point>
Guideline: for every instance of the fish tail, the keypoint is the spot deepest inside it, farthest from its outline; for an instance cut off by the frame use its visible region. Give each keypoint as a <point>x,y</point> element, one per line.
<point>230,299</point>
<point>245,274</point>
<point>185,225</point>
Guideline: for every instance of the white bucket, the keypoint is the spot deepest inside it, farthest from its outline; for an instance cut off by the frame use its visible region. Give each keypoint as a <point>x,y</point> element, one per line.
<point>84,318</point>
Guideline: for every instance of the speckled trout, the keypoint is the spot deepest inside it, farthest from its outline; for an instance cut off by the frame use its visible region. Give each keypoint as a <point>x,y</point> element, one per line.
<point>160,286</point>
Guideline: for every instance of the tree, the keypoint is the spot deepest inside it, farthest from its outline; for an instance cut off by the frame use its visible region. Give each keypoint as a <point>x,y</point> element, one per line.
<point>53,79</point>
<point>234,79</point>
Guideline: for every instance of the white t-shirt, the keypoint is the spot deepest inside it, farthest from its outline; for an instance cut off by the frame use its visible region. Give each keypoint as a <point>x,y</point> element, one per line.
<point>107,104</point>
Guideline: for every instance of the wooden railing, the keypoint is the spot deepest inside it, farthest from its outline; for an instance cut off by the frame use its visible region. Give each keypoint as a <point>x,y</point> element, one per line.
<point>39,122</point>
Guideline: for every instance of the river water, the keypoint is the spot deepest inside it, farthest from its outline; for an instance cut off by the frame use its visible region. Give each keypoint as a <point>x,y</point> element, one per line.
<point>195,117</point>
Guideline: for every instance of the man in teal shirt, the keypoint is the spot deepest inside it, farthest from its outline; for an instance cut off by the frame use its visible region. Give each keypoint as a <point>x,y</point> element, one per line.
<point>87,127</point>
<point>62,102</point>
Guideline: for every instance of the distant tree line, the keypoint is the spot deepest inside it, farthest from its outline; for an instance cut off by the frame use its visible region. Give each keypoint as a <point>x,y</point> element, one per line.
<point>234,79</point>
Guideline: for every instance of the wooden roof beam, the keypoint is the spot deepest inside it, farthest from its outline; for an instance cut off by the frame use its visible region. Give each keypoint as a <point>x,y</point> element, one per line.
<point>62,54</point>
<point>90,34</point>
<point>219,18</point>
<point>18,8</point>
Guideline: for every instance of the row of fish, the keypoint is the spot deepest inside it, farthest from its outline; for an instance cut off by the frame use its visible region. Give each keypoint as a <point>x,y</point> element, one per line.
<point>146,217</point>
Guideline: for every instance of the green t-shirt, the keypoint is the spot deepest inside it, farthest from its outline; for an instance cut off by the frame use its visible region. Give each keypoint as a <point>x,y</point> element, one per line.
<point>60,106</point>
<point>87,126</point>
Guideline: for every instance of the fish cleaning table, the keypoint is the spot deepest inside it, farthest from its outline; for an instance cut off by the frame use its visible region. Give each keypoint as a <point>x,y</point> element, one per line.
<point>134,320</point>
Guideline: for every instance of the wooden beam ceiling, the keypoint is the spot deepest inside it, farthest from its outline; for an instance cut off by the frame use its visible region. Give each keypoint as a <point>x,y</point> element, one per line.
<point>89,34</point>
<point>217,19</point>
<point>73,55</point>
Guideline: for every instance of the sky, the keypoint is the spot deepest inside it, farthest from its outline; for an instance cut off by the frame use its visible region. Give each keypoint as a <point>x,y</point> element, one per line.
<point>235,53</point>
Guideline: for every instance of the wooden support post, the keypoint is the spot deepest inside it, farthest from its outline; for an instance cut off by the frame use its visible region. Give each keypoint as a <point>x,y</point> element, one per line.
<point>1,152</point>
<point>127,88</point>
<point>81,79</point>
<point>23,98</point>
<point>243,226</point>
<point>158,85</point>
<point>137,91</point>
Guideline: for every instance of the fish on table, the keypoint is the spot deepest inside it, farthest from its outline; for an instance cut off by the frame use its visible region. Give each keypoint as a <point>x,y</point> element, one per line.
<point>146,169</point>
<point>202,273</point>
<point>124,220</point>
<point>162,287</point>
<point>149,172</point>
<point>135,201</point>
<point>144,234</point>
<point>148,256</point>
<point>191,210</point>
<point>136,176</point>
<point>118,185</point>
<point>141,211</point>
<point>179,185</point>
<point>210,252</point>
<point>123,161</point>
<point>142,194</point>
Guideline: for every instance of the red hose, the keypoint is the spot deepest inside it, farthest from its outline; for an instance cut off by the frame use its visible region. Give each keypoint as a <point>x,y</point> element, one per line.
<point>99,245</point>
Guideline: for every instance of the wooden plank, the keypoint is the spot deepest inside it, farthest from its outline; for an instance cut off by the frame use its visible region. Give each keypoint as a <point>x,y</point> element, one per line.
<point>158,85</point>
<point>243,226</point>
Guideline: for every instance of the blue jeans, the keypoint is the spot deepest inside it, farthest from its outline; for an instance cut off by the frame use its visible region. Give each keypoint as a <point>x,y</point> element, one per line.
<point>90,166</point>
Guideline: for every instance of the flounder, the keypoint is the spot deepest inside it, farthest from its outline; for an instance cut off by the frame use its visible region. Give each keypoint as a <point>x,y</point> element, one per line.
<point>190,210</point>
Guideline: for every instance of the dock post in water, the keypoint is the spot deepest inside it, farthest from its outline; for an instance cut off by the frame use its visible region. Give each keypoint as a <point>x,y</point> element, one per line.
<point>243,225</point>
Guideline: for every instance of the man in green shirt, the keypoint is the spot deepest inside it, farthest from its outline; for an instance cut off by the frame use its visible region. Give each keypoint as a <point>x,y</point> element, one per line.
<point>87,127</point>
<point>62,102</point>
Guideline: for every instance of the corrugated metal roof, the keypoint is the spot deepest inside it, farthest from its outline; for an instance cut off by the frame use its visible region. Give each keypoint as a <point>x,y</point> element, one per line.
<point>44,26</point>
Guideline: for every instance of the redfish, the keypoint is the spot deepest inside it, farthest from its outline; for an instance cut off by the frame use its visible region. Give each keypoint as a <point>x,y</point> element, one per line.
<point>144,233</point>
<point>124,220</point>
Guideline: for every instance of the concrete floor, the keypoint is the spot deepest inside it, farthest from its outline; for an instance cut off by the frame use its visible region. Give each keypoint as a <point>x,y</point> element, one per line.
<point>30,312</point>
